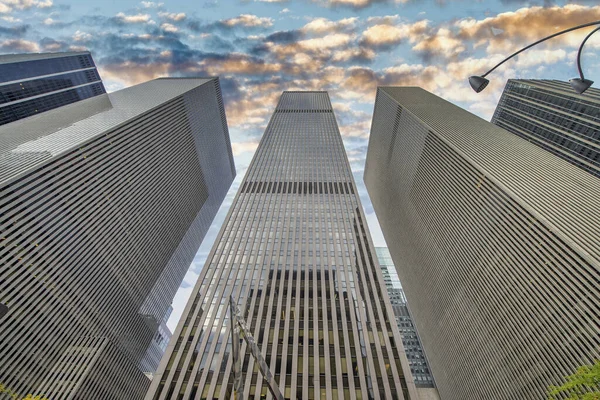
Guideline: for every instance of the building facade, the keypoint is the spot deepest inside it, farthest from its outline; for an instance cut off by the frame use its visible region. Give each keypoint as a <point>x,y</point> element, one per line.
<point>296,255</point>
<point>551,115</point>
<point>410,337</point>
<point>104,205</point>
<point>157,347</point>
<point>500,235</point>
<point>34,83</point>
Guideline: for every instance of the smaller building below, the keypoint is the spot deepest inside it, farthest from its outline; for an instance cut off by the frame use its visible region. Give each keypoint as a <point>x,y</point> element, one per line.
<point>410,338</point>
<point>33,83</point>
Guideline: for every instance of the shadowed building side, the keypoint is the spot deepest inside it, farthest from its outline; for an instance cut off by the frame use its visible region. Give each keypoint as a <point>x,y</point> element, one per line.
<point>500,235</point>
<point>104,204</point>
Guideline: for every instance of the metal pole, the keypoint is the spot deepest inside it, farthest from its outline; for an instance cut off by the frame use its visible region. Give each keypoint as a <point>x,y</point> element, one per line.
<point>235,351</point>
<point>580,49</point>
<point>240,326</point>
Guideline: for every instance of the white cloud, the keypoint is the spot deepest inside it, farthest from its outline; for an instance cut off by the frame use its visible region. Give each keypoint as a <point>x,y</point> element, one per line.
<point>323,25</point>
<point>7,6</point>
<point>172,16</point>
<point>133,19</point>
<point>168,27</point>
<point>241,147</point>
<point>20,45</point>
<point>249,20</point>
<point>150,4</point>
<point>10,18</point>
<point>81,36</point>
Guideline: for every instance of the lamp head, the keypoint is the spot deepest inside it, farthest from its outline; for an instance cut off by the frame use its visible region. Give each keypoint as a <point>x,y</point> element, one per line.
<point>580,85</point>
<point>478,83</point>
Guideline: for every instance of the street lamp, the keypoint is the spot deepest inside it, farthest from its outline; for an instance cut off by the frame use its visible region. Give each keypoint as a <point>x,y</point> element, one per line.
<point>580,85</point>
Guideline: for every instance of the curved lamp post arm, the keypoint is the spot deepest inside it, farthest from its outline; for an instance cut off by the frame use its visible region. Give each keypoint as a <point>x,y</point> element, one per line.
<point>478,83</point>
<point>581,48</point>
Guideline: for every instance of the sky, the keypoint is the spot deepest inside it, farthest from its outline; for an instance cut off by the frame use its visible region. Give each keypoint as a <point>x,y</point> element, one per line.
<point>259,48</point>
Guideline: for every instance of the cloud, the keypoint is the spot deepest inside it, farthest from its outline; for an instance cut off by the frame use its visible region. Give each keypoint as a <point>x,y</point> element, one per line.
<point>285,10</point>
<point>19,45</point>
<point>248,20</point>
<point>132,73</point>
<point>16,31</point>
<point>81,36</point>
<point>535,57</point>
<point>324,25</point>
<point>386,19</point>
<point>356,4</point>
<point>308,52</point>
<point>133,19</point>
<point>7,6</point>
<point>240,147</point>
<point>383,36</point>
<point>354,54</point>
<point>238,63</point>
<point>150,4</point>
<point>168,27</point>
<point>284,37</point>
<point>442,43</point>
<point>387,34</point>
<point>176,17</point>
<point>526,25</point>
<point>10,18</point>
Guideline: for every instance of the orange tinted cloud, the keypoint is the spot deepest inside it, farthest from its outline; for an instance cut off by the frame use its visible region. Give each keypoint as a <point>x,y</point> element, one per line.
<point>238,64</point>
<point>386,33</point>
<point>511,30</point>
<point>133,19</point>
<point>324,25</point>
<point>130,73</point>
<point>19,45</point>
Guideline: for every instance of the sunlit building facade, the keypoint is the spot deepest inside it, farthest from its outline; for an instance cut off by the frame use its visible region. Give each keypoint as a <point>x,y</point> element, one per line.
<point>551,115</point>
<point>104,204</point>
<point>296,255</point>
<point>495,241</point>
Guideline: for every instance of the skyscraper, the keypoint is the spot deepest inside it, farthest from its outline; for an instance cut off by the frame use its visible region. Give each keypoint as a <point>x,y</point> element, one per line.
<point>157,347</point>
<point>550,114</point>
<point>34,83</point>
<point>296,255</point>
<point>104,204</point>
<point>410,337</point>
<point>500,235</point>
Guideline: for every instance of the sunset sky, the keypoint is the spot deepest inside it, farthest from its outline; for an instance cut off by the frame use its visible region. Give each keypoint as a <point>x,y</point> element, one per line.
<point>260,48</point>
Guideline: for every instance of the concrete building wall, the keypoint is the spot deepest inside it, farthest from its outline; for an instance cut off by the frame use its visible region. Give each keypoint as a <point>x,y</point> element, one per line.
<point>551,115</point>
<point>98,199</point>
<point>33,83</point>
<point>296,255</point>
<point>501,235</point>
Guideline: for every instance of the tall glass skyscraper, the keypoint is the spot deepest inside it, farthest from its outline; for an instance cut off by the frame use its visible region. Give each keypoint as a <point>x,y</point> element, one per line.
<point>296,255</point>
<point>34,83</point>
<point>549,114</point>
<point>104,205</point>
<point>410,337</point>
<point>495,241</point>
